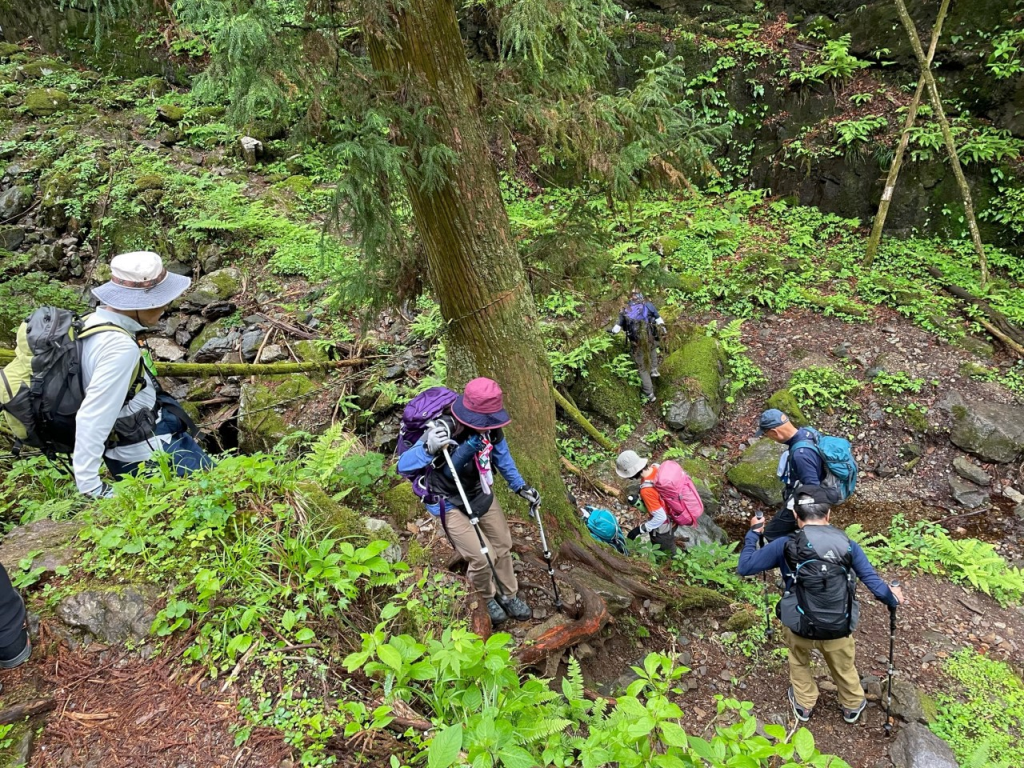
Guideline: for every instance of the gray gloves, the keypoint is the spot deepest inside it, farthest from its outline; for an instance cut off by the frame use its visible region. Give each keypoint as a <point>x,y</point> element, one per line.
<point>438,437</point>
<point>531,494</point>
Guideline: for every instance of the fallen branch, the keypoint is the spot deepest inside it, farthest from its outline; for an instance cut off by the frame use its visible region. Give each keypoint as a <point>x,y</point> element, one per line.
<point>28,709</point>
<point>995,322</point>
<point>207,370</point>
<point>582,420</point>
<point>605,488</point>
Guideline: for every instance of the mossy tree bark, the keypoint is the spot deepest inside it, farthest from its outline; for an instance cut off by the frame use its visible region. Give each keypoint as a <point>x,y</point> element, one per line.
<point>472,262</point>
<point>901,148</point>
<point>947,135</point>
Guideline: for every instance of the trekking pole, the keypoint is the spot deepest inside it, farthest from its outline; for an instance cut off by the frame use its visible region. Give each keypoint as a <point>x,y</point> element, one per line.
<point>502,595</point>
<point>892,666</point>
<point>769,630</point>
<point>535,512</point>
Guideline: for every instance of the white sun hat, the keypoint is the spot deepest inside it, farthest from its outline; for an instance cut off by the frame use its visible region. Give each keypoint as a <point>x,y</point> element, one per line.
<point>139,280</point>
<point>628,464</point>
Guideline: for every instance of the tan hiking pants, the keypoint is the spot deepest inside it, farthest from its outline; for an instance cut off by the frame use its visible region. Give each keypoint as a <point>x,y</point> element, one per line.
<point>839,655</point>
<point>498,538</point>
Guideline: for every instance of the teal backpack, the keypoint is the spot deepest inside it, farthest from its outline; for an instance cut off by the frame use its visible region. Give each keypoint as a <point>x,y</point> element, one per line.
<point>604,527</point>
<point>837,454</point>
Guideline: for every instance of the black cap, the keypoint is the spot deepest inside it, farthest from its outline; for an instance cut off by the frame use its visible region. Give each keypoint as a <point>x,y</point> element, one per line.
<point>818,495</point>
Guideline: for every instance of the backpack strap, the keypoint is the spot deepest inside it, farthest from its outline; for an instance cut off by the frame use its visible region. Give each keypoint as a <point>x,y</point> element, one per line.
<point>139,379</point>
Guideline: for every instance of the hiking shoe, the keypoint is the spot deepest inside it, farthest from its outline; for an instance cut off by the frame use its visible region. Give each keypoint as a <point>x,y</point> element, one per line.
<point>655,375</point>
<point>517,609</point>
<point>651,398</point>
<point>496,612</point>
<point>851,716</point>
<point>803,714</point>
<point>19,658</point>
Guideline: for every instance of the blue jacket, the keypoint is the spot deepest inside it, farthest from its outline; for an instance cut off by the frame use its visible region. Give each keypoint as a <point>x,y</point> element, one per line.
<point>501,459</point>
<point>806,466</point>
<point>773,555</point>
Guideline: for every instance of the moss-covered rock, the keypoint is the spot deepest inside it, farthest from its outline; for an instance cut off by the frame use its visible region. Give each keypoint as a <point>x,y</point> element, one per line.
<point>171,114</point>
<point>784,400</point>
<point>216,286</point>
<point>401,504</point>
<point>8,49</point>
<point>261,422</point>
<point>211,331</point>
<point>605,395</point>
<point>149,181</point>
<point>310,352</point>
<point>993,431</point>
<point>691,385</point>
<point>742,620</point>
<point>755,473</point>
<point>33,70</point>
<point>43,102</point>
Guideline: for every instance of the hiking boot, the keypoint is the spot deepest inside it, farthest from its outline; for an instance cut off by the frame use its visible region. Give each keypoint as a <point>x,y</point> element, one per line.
<point>803,714</point>
<point>517,609</point>
<point>851,716</point>
<point>496,612</point>
<point>651,398</point>
<point>655,375</point>
<point>19,657</point>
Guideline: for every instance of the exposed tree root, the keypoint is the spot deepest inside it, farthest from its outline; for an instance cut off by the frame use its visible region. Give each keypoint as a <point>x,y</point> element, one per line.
<point>562,636</point>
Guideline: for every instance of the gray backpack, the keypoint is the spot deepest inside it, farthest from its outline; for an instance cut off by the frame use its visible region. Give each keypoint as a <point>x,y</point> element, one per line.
<point>41,390</point>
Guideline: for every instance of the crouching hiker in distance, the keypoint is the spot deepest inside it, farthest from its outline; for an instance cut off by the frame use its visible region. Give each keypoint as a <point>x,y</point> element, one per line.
<point>465,432</point>
<point>818,610</point>
<point>667,494</point>
<point>98,397</point>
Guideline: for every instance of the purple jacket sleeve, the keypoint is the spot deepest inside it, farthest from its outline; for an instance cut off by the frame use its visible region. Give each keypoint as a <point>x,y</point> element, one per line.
<point>870,577</point>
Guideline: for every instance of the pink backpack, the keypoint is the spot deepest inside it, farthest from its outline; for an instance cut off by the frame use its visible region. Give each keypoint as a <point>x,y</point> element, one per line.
<point>682,502</point>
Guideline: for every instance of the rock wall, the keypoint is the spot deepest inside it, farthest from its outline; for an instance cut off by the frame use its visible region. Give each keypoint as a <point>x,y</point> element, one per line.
<point>71,32</point>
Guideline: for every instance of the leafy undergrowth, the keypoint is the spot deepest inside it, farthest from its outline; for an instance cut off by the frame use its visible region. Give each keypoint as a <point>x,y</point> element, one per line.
<point>927,547</point>
<point>983,718</point>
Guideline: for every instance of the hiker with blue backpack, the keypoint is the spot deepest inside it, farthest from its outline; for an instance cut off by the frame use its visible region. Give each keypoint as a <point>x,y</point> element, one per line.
<point>819,610</point>
<point>811,459</point>
<point>449,446</point>
<point>644,329</point>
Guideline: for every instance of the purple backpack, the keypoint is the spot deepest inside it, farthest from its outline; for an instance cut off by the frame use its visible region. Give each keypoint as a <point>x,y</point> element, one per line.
<point>420,411</point>
<point>639,312</point>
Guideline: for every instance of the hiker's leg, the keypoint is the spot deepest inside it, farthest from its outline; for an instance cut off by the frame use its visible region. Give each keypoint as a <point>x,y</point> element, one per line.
<point>187,455</point>
<point>783,524</point>
<point>14,645</point>
<point>499,540</point>
<point>122,469</point>
<point>461,533</point>
<point>840,655</point>
<point>800,675</point>
<point>666,542</point>
<point>643,367</point>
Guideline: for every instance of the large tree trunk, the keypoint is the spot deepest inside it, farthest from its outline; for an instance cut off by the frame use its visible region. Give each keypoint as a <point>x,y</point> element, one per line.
<point>472,262</point>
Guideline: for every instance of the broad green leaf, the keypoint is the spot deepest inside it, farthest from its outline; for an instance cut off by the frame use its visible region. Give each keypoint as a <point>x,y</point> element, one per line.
<point>517,757</point>
<point>390,656</point>
<point>444,747</point>
<point>673,735</point>
<point>804,743</point>
<point>777,732</point>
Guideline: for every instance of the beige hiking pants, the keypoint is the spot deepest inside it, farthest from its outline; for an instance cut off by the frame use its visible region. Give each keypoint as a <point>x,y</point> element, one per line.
<point>839,655</point>
<point>498,538</point>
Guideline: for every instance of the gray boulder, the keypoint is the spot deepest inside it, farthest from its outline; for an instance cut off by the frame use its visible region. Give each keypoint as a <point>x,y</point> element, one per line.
<point>165,349</point>
<point>53,540</point>
<point>993,431</point>
<point>968,470</point>
<point>110,616</point>
<point>693,415</point>
<point>917,747</point>
<point>251,149</point>
<point>15,201</point>
<point>967,494</point>
<point>11,237</point>
<point>216,286</point>
<point>214,349</point>
<point>755,473</point>
<point>251,341</point>
<point>911,703</point>
<point>705,532</point>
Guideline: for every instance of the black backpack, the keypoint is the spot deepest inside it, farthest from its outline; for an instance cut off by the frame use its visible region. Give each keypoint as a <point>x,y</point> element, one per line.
<point>41,390</point>
<point>820,602</point>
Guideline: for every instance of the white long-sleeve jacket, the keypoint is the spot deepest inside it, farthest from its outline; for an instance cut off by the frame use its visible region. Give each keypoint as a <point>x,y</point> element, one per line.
<point>109,363</point>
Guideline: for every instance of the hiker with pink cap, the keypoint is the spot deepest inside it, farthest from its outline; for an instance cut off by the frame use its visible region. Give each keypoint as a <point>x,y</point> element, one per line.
<point>453,462</point>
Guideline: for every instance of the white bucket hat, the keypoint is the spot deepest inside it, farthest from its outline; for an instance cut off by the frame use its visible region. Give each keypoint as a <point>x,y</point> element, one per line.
<point>628,464</point>
<point>139,280</point>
